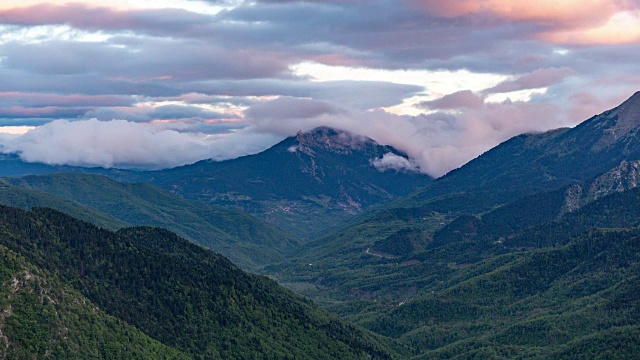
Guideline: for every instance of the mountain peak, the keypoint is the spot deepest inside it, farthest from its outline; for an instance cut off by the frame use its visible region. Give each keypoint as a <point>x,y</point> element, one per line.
<point>617,123</point>
<point>334,140</point>
<point>629,111</point>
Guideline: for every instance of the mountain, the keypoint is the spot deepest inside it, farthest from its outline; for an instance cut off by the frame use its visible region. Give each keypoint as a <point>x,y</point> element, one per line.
<point>541,211</point>
<point>11,165</point>
<point>179,294</point>
<point>523,166</point>
<point>553,286</point>
<point>303,184</point>
<point>531,163</point>
<point>246,240</point>
<point>25,198</point>
<point>44,317</point>
<point>528,181</point>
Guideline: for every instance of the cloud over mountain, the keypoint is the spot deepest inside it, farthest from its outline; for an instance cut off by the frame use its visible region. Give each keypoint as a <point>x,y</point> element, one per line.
<point>443,81</point>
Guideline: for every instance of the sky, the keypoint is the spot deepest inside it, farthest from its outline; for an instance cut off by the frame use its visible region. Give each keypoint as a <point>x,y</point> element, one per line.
<point>156,84</point>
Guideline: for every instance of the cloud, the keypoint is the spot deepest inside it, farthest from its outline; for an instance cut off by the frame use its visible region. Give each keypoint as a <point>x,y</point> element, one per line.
<point>438,142</point>
<point>568,22</point>
<point>46,111</point>
<point>179,112</point>
<point>622,28</point>
<point>103,18</point>
<point>8,98</point>
<point>287,108</point>
<point>566,11</point>
<point>540,78</point>
<point>181,74</point>
<point>461,99</point>
<point>120,143</point>
<point>391,161</point>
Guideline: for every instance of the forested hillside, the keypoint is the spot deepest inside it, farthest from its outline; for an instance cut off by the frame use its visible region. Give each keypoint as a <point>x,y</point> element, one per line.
<point>248,241</point>
<point>179,294</point>
<point>526,280</point>
<point>579,298</point>
<point>42,317</point>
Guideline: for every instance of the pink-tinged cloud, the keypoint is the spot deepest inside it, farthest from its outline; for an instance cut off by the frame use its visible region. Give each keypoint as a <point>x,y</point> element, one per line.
<point>553,11</point>
<point>286,108</point>
<point>84,16</point>
<point>461,99</point>
<point>537,79</point>
<point>566,22</point>
<point>584,105</point>
<point>121,143</point>
<point>621,28</point>
<point>436,143</point>
<point>336,60</point>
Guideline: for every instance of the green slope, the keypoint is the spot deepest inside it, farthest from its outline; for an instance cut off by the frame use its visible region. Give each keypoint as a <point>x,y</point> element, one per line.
<point>389,267</point>
<point>180,294</point>
<point>43,317</point>
<point>25,198</point>
<point>244,239</point>
<point>540,304</point>
<point>466,294</point>
<point>528,167</point>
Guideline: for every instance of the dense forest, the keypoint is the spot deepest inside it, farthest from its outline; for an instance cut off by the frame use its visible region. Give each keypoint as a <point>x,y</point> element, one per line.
<point>532,250</point>
<point>525,280</point>
<point>177,293</point>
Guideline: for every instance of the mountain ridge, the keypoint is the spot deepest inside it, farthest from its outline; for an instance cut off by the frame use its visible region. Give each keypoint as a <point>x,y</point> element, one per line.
<point>247,240</point>
<point>180,294</point>
<point>322,176</point>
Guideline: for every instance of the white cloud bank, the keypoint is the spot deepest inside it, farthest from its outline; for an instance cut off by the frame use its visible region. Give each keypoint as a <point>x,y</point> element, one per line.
<point>463,127</point>
<point>120,143</point>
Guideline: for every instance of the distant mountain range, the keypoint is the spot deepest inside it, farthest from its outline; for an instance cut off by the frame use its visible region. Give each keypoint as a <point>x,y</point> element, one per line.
<point>530,250</point>
<point>500,246</point>
<point>304,184</point>
<point>524,165</point>
<point>531,163</point>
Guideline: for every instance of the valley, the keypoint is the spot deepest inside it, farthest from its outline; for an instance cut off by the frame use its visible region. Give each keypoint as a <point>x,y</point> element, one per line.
<point>530,250</point>
<point>320,180</point>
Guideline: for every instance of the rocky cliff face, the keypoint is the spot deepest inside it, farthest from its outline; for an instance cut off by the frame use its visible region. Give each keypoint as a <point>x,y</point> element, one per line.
<point>334,141</point>
<point>619,122</point>
<point>624,177</point>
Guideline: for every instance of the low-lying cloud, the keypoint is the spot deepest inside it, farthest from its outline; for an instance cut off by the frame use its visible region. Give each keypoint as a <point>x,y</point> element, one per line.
<point>391,161</point>
<point>120,143</point>
<point>457,128</point>
<point>460,127</point>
